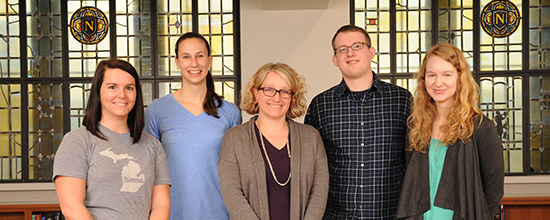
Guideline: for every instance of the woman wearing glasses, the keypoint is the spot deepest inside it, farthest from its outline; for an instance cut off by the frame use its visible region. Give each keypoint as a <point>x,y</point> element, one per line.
<point>272,167</point>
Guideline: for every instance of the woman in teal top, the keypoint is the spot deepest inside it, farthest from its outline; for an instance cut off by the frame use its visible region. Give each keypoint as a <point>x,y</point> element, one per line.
<point>455,167</point>
<point>437,153</point>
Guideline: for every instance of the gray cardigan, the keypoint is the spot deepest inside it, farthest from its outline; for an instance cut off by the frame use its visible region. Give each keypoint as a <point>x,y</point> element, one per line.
<point>472,180</point>
<point>242,173</point>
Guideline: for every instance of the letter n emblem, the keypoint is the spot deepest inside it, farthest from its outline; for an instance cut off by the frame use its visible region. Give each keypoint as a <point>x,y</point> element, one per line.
<point>500,19</point>
<point>89,26</point>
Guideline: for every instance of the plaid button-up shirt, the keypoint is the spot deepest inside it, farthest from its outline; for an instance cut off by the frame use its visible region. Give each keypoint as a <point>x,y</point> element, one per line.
<point>364,139</point>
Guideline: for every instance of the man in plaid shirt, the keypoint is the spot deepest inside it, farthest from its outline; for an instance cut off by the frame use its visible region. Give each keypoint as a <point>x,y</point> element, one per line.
<point>363,123</point>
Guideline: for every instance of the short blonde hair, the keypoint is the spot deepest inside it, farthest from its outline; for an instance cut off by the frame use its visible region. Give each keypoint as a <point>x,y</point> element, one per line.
<point>297,86</point>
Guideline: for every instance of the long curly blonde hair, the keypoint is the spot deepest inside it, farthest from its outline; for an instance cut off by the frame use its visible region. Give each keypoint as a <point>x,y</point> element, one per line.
<point>459,124</point>
<point>296,83</point>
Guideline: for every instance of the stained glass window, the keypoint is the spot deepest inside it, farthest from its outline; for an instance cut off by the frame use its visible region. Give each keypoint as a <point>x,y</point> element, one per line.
<point>402,32</point>
<point>49,98</point>
<point>539,129</point>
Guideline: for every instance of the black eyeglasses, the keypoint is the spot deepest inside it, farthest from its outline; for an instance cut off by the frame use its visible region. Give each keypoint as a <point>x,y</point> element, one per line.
<point>354,47</point>
<point>271,92</point>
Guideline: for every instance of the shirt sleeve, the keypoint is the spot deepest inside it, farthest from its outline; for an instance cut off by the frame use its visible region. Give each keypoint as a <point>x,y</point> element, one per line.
<point>151,121</point>
<point>71,157</point>
<point>162,176</point>
<point>491,160</point>
<point>237,118</point>
<point>311,115</point>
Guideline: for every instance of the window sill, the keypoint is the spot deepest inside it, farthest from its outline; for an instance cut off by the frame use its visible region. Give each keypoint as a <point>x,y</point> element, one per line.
<point>527,186</point>
<point>27,193</point>
<point>44,193</point>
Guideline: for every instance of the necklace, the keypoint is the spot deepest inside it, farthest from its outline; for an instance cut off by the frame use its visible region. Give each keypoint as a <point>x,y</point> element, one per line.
<point>269,161</point>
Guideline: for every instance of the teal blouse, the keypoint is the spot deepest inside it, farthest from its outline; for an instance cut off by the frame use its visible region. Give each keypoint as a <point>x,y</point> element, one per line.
<point>437,158</point>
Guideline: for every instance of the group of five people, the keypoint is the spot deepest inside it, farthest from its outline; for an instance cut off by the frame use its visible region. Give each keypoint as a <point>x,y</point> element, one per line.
<point>367,150</point>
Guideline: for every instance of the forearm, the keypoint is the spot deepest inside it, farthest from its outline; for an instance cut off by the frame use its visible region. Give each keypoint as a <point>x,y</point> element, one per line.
<point>160,213</point>
<point>71,193</point>
<point>235,201</point>
<point>160,202</point>
<point>75,211</point>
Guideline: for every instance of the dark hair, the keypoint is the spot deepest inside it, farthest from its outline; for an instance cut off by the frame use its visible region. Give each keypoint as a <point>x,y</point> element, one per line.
<point>351,28</point>
<point>92,114</point>
<point>209,104</point>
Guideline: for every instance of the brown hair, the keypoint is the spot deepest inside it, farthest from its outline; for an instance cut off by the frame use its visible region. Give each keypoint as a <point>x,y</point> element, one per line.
<point>211,97</point>
<point>92,114</point>
<point>351,28</point>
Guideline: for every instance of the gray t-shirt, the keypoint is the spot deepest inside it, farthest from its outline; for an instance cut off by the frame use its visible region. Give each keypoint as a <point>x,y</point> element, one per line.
<point>119,175</point>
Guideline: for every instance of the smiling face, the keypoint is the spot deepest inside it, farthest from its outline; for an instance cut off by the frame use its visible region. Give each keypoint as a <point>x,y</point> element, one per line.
<point>273,107</point>
<point>353,64</point>
<point>441,81</point>
<point>193,60</point>
<point>117,94</point>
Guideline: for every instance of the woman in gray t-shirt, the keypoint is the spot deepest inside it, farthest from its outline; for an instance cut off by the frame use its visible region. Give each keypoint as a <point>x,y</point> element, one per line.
<point>110,168</point>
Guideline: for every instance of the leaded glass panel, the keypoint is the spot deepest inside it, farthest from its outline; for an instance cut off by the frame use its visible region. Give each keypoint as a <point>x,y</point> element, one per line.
<point>226,89</point>
<point>133,34</point>
<point>79,94</point>
<point>10,64</point>
<point>412,41</point>
<point>28,154</point>
<point>45,127</point>
<point>10,131</point>
<point>83,58</point>
<point>501,54</point>
<point>44,38</point>
<point>539,35</point>
<point>409,84</point>
<point>374,16</point>
<point>455,26</point>
<point>174,19</point>
<point>539,128</point>
<point>501,101</point>
<point>166,88</point>
<point>216,24</point>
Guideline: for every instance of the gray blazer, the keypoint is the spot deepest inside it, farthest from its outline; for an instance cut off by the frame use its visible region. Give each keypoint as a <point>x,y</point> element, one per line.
<point>242,173</point>
<point>472,181</point>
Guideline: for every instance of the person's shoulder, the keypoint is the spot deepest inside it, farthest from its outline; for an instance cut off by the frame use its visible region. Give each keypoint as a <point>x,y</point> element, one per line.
<point>229,111</point>
<point>149,139</point>
<point>386,86</point>
<point>79,135</point>
<point>483,122</point>
<point>79,132</point>
<point>331,92</point>
<point>161,102</point>
<point>303,127</point>
<point>238,129</point>
<point>228,106</point>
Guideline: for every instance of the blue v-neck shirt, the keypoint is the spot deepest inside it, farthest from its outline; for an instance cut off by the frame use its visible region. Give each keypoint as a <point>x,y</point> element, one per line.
<point>192,144</point>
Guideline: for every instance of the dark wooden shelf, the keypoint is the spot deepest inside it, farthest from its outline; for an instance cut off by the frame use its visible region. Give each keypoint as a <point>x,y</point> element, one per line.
<point>24,212</point>
<point>531,208</point>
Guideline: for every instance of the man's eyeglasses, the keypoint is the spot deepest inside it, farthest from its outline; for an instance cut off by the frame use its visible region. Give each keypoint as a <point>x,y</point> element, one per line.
<point>271,92</point>
<point>354,47</point>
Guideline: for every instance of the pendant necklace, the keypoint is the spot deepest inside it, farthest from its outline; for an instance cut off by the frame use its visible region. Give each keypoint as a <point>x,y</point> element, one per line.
<point>269,161</point>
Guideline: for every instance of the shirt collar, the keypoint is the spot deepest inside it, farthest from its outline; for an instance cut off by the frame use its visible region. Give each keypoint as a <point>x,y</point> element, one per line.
<point>343,88</point>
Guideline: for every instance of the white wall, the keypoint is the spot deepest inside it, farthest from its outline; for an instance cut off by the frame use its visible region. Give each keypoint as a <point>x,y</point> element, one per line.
<point>299,38</point>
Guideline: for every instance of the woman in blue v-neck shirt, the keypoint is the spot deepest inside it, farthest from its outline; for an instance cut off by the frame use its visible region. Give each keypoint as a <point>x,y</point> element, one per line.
<point>190,123</point>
